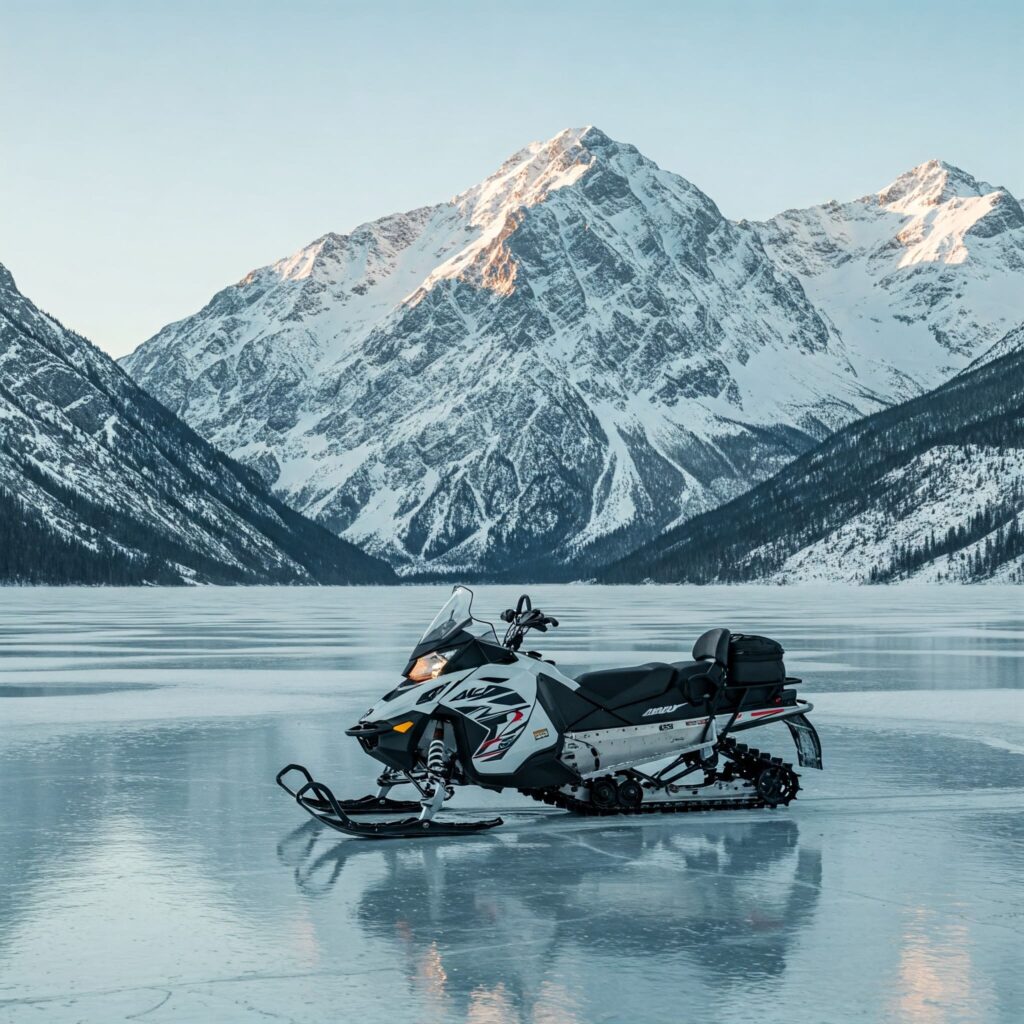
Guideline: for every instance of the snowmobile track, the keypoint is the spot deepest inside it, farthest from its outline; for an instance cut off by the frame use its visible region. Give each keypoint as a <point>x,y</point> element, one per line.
<point>749,764</point>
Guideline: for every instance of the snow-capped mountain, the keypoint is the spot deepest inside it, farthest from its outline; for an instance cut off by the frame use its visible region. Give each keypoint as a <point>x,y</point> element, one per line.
<point>99,483</point>
<point>924,276</point>
<point>573,355</point>
<point>931,490</point>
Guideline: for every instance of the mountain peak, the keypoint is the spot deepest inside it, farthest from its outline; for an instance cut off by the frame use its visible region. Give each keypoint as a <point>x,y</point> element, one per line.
<point>529,175</point>
<point>568,139</point>
<point>532,173</point>
<point>930,184</point>
<point>141,498</point>
<point>588,135</point>
<point>589,138</point>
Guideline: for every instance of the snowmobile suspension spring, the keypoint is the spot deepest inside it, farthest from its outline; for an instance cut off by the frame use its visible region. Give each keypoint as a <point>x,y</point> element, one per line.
<point>437,756</point>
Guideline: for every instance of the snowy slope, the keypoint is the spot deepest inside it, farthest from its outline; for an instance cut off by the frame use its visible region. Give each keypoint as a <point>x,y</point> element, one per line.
<point>920,277</point>
<point>931,490</point>
<point>942,489</point>
<point>571,356</point>
<point>100,483</point>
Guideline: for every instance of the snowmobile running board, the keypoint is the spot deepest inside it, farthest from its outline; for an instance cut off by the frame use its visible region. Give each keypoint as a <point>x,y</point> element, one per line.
<point>317,800</point>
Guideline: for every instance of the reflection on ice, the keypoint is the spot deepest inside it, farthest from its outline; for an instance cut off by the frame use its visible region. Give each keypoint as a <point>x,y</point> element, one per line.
<point>540,899</point>
<point>935,971</point>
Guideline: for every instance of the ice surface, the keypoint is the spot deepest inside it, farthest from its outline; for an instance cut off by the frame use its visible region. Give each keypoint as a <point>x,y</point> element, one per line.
<point>150,870</point>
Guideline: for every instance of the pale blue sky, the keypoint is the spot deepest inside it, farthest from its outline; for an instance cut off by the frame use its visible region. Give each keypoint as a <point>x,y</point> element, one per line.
<point>155,152</point>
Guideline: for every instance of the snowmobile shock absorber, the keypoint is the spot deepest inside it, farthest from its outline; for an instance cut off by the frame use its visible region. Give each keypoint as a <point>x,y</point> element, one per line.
<point>437,754</point>
<point>436,791</point>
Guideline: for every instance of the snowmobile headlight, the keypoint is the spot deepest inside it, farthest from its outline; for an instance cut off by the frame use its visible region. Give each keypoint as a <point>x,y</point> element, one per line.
<point>430,666</point>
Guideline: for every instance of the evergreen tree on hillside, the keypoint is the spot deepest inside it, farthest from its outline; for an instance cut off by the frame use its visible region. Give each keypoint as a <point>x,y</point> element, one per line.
<point>865,467</point>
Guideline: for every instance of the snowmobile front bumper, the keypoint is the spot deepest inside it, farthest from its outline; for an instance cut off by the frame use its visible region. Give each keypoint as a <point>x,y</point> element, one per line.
<point>317,800</point>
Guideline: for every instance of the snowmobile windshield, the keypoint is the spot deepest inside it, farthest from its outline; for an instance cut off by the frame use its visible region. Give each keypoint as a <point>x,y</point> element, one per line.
<point>456,614</point>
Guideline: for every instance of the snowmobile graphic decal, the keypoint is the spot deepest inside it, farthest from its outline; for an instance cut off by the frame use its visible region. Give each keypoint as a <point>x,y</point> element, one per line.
<point>501,711</point>
<point>431,695</point>
<point>504,728</point>
<point>492,694</point>
<point>665,709</point>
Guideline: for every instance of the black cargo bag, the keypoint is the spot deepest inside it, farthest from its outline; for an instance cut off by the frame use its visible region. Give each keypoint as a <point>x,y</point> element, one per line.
<point>755,659</point>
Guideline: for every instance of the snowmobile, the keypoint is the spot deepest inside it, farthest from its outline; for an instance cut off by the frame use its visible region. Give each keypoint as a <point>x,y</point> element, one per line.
<point>653,738</point>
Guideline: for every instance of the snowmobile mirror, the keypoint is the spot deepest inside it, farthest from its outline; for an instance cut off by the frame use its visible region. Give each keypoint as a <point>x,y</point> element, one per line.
<point>508,615</point>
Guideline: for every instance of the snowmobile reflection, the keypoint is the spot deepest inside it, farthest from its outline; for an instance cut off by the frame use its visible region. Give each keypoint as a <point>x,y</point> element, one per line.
<point>729,899</point>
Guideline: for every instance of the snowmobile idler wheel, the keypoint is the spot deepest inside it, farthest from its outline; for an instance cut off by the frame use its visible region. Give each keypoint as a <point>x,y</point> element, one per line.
<point>631,793</point>
<point>604,793</point>
<point>776,785</point>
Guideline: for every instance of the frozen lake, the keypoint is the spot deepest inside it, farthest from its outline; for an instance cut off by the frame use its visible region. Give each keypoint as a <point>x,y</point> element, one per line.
<point>150,870</point>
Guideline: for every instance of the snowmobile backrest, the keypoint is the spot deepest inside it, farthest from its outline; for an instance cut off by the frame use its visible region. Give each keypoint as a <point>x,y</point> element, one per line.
<point>713,646</point>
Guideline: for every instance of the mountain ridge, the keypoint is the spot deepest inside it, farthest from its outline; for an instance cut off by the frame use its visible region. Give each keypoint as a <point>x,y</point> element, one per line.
<point>100,483</point>
<point>930,490</point>
<point>660,358</point>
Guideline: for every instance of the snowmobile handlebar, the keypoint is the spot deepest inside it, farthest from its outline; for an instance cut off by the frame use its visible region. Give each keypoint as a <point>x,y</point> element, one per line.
<point>522,618</point>
<point>524,604</point>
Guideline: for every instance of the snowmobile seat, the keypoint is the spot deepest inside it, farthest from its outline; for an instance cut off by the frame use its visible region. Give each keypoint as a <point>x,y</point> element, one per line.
<point>617,687</point>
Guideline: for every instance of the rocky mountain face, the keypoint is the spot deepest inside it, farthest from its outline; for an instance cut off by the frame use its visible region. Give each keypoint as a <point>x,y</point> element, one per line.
<point>580,352</point>
<point>931,490</point>
<point>921,278</point>
<point>99,483</point>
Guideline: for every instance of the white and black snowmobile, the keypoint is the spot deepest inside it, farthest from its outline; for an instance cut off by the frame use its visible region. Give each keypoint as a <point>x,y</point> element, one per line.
<point>473,711</point>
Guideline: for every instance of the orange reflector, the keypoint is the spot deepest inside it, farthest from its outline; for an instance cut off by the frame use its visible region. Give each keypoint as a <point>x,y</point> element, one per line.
<point>403,727</point>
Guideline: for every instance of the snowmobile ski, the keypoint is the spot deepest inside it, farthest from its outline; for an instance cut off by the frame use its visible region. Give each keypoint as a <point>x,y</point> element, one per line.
<point>317,800</point>
<point>362,805</point>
